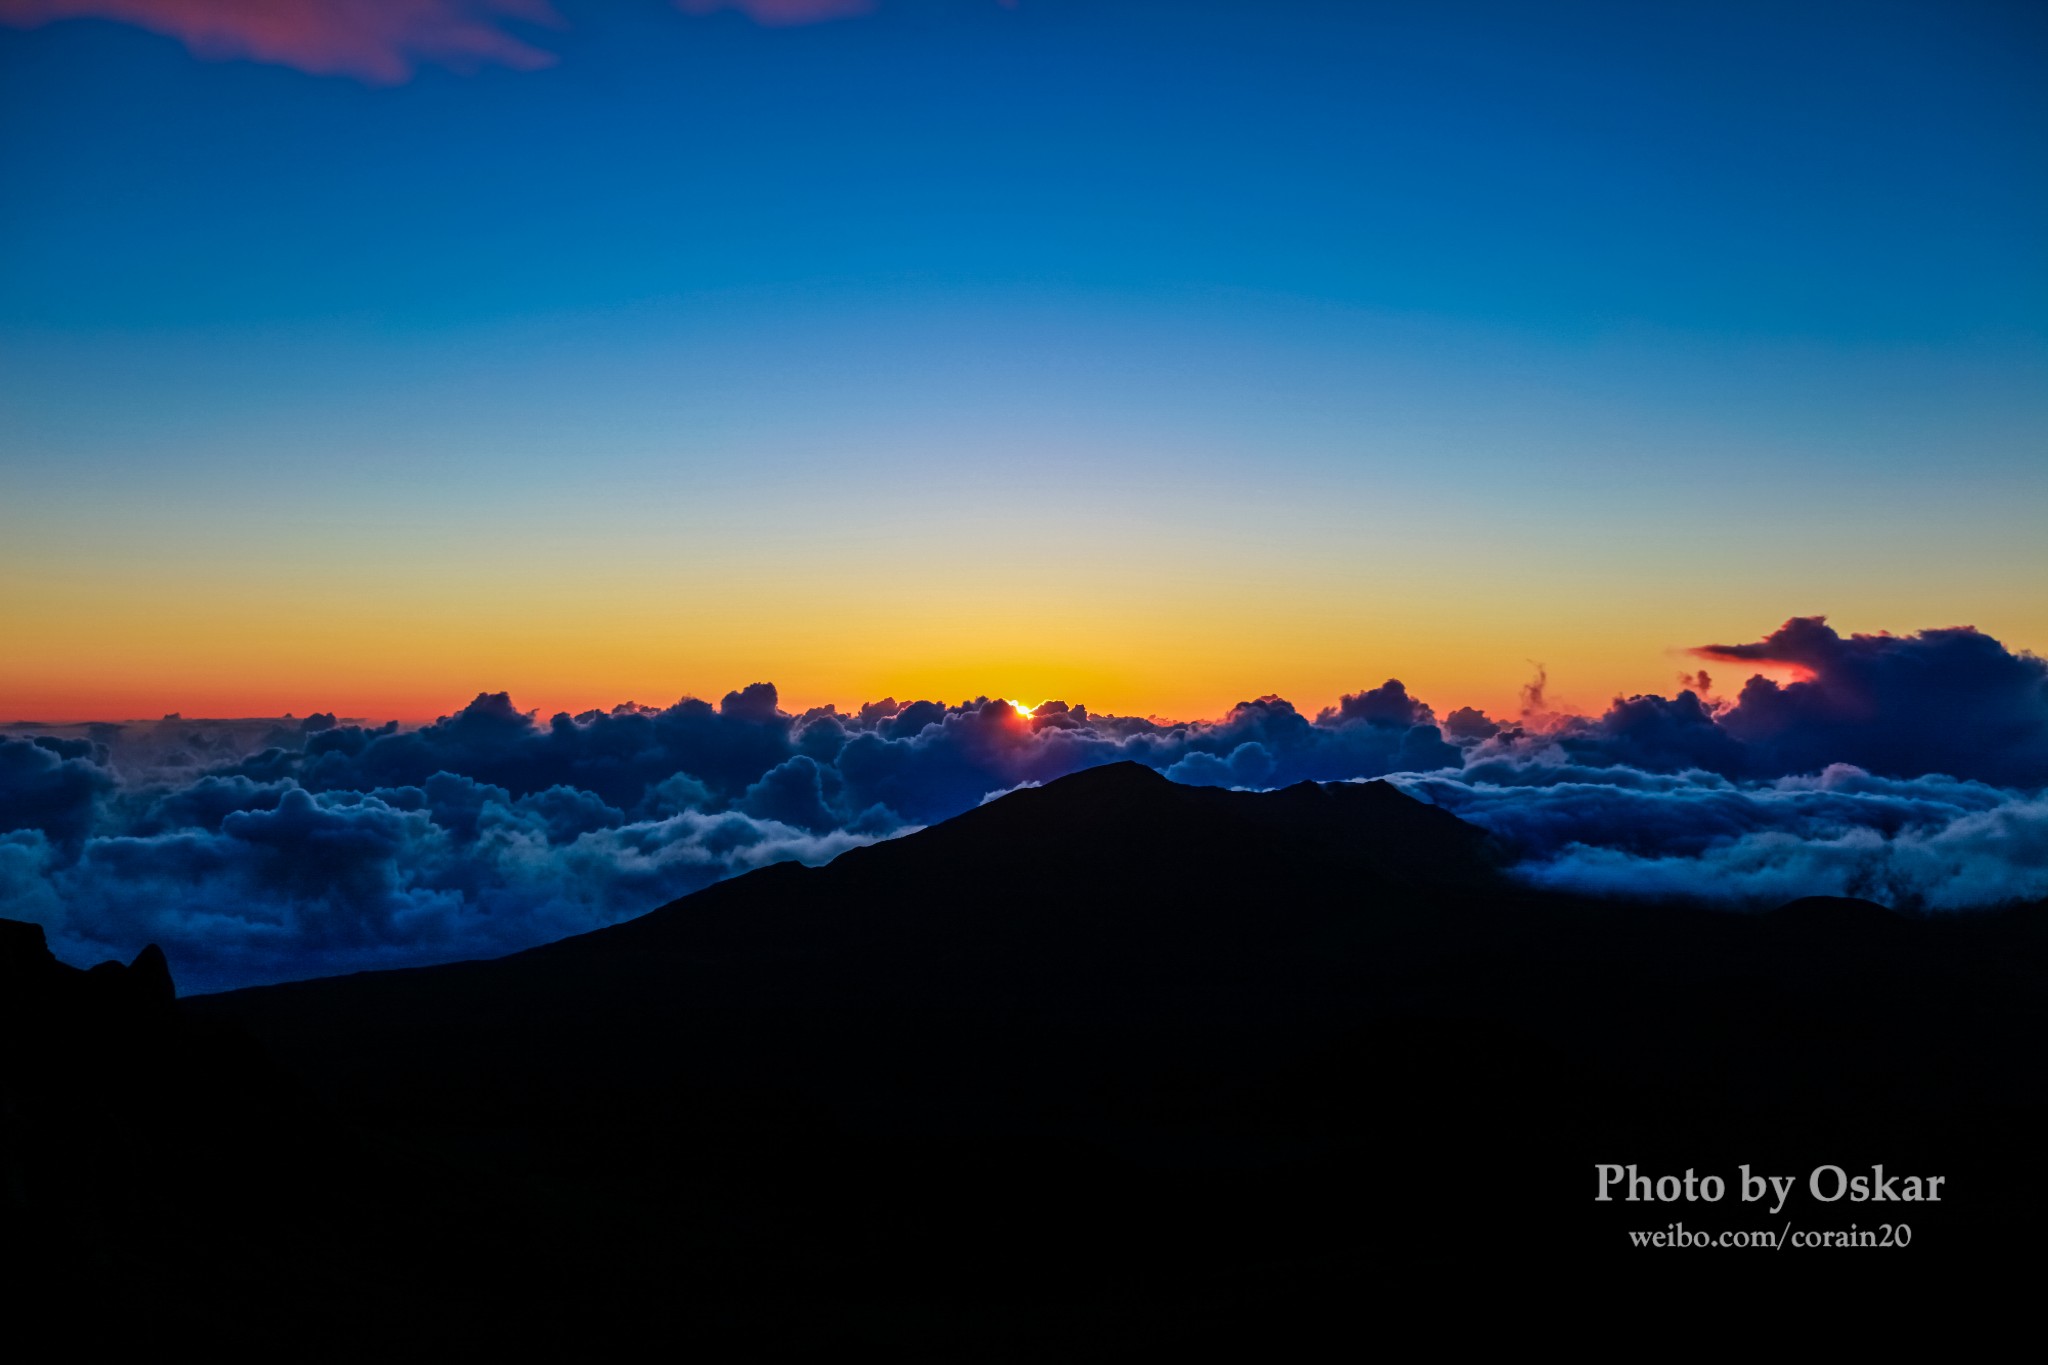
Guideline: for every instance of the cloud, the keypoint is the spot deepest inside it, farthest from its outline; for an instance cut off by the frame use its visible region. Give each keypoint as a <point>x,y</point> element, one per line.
<point>1928,844</point>
<point>51,785</point>
<point>1387,704</point>
<point>1468,724</point>
<point>782,13</point>
<point>341,846</point>
<point>382,42</point>
<point>345,881</point>
<point>620,755</point>
<point>1909,769</point>
<point>1659,734</point>
<point>1954,701</point>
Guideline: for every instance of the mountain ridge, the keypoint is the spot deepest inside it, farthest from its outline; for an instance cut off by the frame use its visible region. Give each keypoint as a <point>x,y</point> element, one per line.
<point>1108,1041</point>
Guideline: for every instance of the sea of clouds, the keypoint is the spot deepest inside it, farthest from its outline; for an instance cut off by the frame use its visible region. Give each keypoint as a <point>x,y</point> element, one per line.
<point>1906,769</point>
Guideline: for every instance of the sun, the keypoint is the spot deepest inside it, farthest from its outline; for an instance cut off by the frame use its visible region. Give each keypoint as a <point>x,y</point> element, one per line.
<point>1021,709</point>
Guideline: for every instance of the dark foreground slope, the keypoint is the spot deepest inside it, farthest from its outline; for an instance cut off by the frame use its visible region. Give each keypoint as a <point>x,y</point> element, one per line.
<point>1114,1057</point>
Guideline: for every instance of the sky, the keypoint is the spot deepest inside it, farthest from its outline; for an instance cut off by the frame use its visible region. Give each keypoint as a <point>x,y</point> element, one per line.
<point>1154,356</point>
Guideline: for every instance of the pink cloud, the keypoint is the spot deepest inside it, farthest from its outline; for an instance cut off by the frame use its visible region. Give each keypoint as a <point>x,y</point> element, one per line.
<point>781,13</point>
<point>382,42</point>
<point>379,41</point>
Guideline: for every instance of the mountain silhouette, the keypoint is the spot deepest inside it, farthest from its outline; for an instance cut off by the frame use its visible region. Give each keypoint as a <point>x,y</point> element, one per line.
<point>1112,1056</point>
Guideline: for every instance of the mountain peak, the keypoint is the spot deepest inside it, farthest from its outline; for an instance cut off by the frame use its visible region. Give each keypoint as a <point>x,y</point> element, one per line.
<point>1125,775</point>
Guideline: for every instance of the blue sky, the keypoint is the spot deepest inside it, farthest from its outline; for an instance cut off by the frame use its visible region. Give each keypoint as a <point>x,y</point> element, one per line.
<point>1764,169</point>
<point>1583,331</point>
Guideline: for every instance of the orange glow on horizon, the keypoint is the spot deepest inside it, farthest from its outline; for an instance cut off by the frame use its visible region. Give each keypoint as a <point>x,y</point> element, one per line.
<point>109,643</point>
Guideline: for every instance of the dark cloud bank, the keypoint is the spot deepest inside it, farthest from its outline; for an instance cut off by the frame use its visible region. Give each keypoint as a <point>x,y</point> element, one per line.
<point>1907,769</point>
